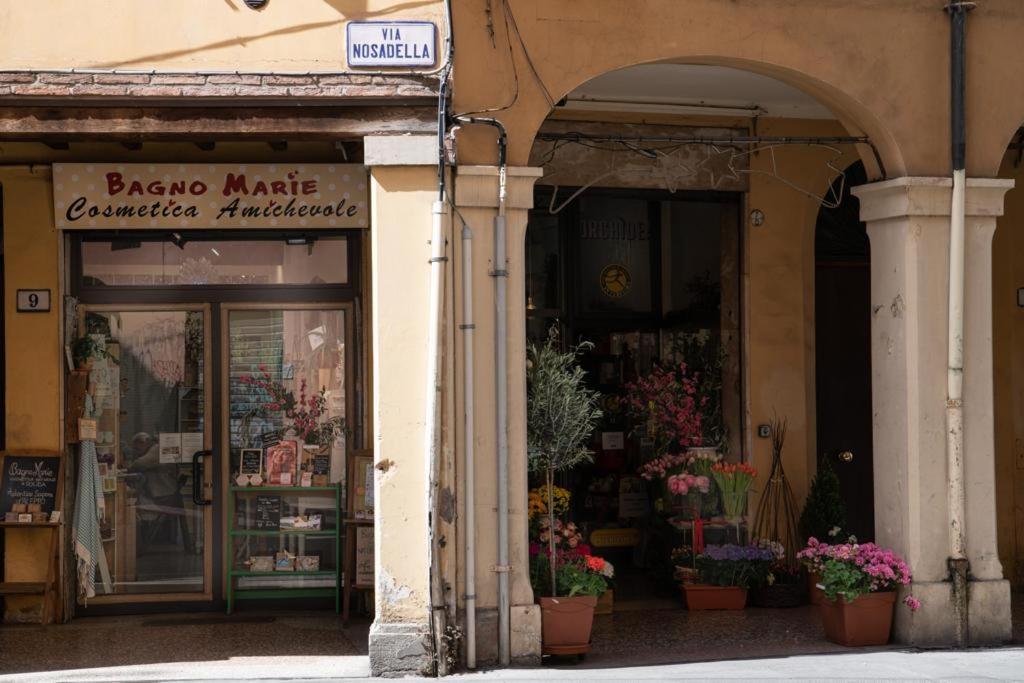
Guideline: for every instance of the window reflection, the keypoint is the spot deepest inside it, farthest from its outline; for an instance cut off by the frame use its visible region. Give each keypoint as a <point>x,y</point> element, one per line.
<point>178,261</point>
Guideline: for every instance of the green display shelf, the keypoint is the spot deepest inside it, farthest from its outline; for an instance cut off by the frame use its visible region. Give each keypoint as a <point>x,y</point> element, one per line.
<point>286,592</point>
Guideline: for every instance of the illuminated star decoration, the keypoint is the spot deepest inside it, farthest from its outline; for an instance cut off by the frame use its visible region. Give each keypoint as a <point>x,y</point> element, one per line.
<point>719,164</point>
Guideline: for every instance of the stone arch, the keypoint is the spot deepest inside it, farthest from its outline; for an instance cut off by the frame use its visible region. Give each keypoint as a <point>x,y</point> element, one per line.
<point>884,161</point>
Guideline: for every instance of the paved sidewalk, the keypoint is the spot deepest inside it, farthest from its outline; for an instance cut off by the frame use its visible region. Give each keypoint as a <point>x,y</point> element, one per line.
<point>1005,664</point>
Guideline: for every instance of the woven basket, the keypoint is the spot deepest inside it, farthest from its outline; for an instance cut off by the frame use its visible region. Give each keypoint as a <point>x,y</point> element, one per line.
<point>779,595</point>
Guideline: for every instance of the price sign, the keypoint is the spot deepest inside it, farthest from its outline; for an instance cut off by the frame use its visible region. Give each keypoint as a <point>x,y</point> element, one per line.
<point>33,300</point>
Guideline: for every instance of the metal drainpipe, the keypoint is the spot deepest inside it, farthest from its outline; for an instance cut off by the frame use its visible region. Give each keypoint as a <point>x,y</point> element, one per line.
<point>959,566</point>
<point>469,515</point>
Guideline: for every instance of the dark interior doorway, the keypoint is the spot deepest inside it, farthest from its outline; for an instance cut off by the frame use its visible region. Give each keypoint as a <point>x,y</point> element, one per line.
<point>843,352</point>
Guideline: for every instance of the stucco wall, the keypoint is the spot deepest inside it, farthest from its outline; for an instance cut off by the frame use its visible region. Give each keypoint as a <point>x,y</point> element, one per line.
<point>222,35</point>
<point>882,67</point>
<point>34,358</point>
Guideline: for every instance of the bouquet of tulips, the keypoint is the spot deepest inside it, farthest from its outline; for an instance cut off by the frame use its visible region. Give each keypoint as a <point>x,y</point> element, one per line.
<point>734,481</point>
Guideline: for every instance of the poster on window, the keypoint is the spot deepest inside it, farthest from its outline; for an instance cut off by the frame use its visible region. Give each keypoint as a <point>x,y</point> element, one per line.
<point>210,196</point>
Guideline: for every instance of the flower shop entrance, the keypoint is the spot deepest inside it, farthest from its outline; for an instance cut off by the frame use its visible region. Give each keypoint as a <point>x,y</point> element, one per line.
<point>209,336</point>
<point>650,279</point>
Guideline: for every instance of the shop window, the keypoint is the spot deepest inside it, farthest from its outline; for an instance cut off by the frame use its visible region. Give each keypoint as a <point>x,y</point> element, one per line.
<point>178,260</point>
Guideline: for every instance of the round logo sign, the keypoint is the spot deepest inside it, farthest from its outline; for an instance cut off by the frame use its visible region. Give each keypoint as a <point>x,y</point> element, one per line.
<point>615,280</point>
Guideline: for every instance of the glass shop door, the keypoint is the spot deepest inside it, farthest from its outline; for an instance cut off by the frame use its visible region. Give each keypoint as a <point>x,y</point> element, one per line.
<point>153,446</point>
<point>288,378</point>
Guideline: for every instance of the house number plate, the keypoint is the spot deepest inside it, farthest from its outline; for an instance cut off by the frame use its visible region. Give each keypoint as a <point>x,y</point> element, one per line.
<point>33,300</point>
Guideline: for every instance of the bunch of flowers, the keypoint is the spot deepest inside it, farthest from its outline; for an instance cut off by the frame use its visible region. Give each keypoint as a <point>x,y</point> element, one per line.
<point>734,481</point>
<point>780,572</point>
<point>667,401</point>
<point>306,413</point>
<point>577,571</point>
<point>734,565</point>
<point>537,503</point>
<point>566,535</point>
<point>681,484</point>
<point>701,463</point>
<point>850,570</point>
<point>663,466</point>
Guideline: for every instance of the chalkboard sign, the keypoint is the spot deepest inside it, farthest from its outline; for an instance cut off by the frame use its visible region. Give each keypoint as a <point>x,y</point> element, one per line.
<point>269,439</point>
<point>251,461</point>
<point>268,512</point>
<point>29,479</point>
<point>322,462</point>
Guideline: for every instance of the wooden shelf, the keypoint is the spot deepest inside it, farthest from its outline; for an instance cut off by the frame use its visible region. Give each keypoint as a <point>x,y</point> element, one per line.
<point>284,489</point>
<point>328,533</point>
<point>23,588</point>
<point>29,525</point>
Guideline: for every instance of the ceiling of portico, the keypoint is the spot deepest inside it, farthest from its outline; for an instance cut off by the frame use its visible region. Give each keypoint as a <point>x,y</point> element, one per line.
<point>710,86</point>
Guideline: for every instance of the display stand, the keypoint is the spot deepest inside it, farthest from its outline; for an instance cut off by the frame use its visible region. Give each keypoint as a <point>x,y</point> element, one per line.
<point>249,536</point>
<point>18,536</point>
<point>357,521</point>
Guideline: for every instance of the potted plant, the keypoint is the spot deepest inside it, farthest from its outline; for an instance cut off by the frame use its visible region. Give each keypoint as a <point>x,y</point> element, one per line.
<point>823,516</point>
<point>561,415</point>
<point>734,481</point>
<point>859,581</point>
<point>725,573</point>
<point>785,585</point>
<point>86,349</point>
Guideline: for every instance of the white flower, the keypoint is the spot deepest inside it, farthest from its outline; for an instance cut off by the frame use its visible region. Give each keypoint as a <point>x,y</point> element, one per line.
<point>608,571</point>
<point>834,531</point>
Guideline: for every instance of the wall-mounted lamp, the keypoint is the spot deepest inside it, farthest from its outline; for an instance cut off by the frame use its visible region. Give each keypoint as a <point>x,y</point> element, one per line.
<point>256,4</point>
<point>757,217</point>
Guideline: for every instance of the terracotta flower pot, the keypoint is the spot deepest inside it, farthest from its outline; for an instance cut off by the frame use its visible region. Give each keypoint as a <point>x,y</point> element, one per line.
<point>701,596</point>
<point>605,603</point>
<point>566,622</point>
<point>865,621</point>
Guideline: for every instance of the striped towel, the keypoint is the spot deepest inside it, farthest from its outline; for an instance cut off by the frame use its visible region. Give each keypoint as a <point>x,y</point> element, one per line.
<point>89,508</point>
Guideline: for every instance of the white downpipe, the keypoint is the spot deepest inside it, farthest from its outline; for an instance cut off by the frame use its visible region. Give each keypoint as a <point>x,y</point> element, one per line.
<point>501,385</point>
<point>955,370</point>
<point>431,441</point>
<point>470,502</point>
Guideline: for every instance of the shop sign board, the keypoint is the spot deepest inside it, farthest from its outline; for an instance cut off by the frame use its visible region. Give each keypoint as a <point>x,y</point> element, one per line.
<point>391,43</point>
<point>210,196</point>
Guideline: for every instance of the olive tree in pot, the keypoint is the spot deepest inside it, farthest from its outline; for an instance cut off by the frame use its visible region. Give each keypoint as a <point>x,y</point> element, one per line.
<point>561,416</point>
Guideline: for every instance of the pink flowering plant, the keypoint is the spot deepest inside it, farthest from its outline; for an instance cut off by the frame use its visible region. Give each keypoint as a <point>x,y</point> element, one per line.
<point>667,402</point>
<point>306,413</point>
<point>849,570</point>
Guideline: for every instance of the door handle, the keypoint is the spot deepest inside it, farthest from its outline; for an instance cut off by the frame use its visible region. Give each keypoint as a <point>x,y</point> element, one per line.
<point>197,478</point>
<point>846,456</point>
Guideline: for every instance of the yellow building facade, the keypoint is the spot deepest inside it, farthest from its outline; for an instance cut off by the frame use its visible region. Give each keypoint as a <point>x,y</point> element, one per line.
<point>778,115</point>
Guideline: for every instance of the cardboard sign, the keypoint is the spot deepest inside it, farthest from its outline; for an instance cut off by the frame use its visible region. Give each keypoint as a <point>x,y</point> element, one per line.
<point>217,196</point>
<point>29,480</point>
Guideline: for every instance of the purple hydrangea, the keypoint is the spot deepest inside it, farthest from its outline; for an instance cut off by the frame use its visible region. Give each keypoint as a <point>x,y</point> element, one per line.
<point>736,553</point>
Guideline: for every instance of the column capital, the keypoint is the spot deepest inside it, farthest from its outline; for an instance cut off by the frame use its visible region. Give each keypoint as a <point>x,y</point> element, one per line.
<point>477,186</point>
<point>928,196</point>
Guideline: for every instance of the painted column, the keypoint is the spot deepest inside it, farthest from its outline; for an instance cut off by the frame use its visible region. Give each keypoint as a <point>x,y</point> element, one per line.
<point>401,198</point>
<point>908,224</point>
<point>477,200</point>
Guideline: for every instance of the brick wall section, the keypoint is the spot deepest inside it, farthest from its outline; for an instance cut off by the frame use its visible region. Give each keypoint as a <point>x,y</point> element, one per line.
<point>22,85</point>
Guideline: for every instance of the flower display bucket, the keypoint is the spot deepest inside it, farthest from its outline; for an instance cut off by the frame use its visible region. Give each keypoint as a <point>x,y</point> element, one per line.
<point>865,621</point>
<point>605,603</point>
<point>703,597</point>
<point>779,595</point>
<point>566,623</point>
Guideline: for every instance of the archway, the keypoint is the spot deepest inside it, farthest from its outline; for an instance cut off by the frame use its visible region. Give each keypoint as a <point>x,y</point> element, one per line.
<point>678,179</point>
<point>842,342</point>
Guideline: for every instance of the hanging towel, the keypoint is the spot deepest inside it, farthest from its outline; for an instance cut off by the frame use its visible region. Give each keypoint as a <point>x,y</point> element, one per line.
<point>89,509</point>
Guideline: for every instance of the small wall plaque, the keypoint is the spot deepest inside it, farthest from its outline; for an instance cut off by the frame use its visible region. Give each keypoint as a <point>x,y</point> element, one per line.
<point>33,300</point>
